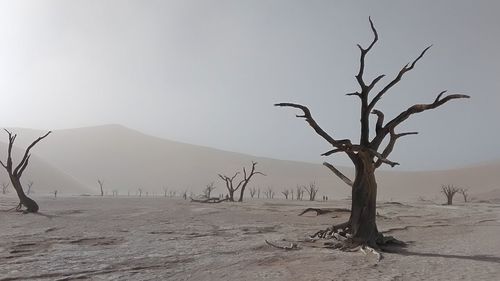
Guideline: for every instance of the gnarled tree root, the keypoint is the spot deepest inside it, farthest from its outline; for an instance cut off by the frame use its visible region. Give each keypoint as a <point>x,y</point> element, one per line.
<point>341,238</point>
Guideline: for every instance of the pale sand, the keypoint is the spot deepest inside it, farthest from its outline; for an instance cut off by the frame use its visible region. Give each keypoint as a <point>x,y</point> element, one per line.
<point>92,238</point>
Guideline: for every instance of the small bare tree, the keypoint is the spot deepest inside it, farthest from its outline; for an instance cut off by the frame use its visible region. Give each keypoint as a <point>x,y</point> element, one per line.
<point>465,194</point>
<point>101,183</point>
<point>115,192</point>
<point>449,191</point>
<point>258,193</point>
<point>5,187</point>
<point>184,194</point>
<point>172,193</point>
<point>253,191</point>
<point>208,189</point>
<point>55,194</point>
<point>139,190</point>
<point>286,192</point>
<point>299,192</point>
<point>30,184</point>
<point>165,191</point>
<point>312,190</point>
<point>16,173</point>
<point>269,193</point>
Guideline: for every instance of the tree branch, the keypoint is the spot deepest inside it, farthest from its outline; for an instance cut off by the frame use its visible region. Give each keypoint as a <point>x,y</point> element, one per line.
<point>390,146</point>
<point>405,69</point>
<point>341,144</point>
<point>27,152</point>
<point>359,76</point>
<point>421,107</point>
<point>338,174</point>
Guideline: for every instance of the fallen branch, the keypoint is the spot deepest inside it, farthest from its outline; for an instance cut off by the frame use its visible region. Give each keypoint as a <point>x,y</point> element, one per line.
<point>324,211</point>
<point>209,200</point>
<point>293,246</point>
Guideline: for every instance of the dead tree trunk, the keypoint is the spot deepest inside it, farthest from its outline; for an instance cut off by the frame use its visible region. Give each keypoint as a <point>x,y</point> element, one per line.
<point>449,191</point>
<point>246,179</point>
<point>101,183</point>
<point>16,173</point>
<point>361,229</point>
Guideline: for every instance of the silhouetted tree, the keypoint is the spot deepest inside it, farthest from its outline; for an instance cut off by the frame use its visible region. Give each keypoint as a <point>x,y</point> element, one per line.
<point>30,184</point>
<point>101,183</point>
<point>253,191</point>
<point>365,155</point>
<point>231,188</point>
<point>312,190</point>
<point>208,189</point>
<point>5,186</point>
<point>449,191</point>
<point>465,194</point>
<point>299,191</point>
<point>286,192</point>
<point>246,179</point>
<point>16,173</point>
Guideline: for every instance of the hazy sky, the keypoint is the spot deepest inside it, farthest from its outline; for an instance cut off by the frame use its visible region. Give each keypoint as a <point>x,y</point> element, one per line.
<point>208,72</point>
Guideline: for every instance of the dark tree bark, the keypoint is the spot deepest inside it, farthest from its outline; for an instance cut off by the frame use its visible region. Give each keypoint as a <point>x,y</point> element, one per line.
<point>16,173</point>
<point>231,188</point>
<point>246,179</point>
<point>361,226</point>
<point>449,191</point>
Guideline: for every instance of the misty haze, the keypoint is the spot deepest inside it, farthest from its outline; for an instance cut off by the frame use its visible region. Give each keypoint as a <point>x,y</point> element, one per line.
<point>249,140</point>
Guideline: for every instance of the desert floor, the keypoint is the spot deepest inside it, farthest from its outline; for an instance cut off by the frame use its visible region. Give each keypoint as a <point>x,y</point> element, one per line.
<point>93,238</point>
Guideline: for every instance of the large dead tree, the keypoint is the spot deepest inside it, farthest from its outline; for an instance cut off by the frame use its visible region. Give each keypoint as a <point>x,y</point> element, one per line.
<point>232,188</point>
<point>16,172</point>
<point>367,155</point>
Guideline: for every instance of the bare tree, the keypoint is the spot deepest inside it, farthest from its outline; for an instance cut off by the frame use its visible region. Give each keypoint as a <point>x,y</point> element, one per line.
<point>299,192</point>
<point>30,184</point>
<point>361,226</point>
<point>101,183</point>
<point>286,192</point>
<point>165,191</point>
<point>172,193</point>
<point>5,186</point>
<point>140,191</point>
<point>269,193</point>
<point>449,191</point>
<point>231,188</point>
<point>312,190</point>
<point>465,194</point>
<point>184,194</point>
<point>253,191</point>
<point>55,194</point>
<point>16,173</point>
<point>246,179</point>
<point>258,193</point>
<point>115,192</point>
<point>208,189</point>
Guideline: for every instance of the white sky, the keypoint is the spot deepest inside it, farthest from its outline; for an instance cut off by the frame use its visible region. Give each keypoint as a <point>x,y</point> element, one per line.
<point>208,72</point>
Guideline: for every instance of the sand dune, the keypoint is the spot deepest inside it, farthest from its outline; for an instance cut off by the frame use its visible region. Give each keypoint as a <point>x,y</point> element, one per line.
<point>126,160</point>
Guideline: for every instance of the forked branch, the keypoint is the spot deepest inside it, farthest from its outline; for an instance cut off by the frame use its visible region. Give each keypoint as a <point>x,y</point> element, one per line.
<point>338,174</point>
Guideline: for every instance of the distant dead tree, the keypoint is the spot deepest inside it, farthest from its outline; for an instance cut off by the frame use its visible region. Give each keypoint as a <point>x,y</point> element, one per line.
<point>101,183</point>
<point>115,192</point>
<point>5,186</point>
<point>465,194</point>
<point>208,189</point>
<point>253,191</point>
<point>286,192</point>
<point>449,191</point>
<point>291,193</point>
<point>139,190</point>
<point>184,194</point>
<point>172,193</point>
<point>165,191</point>
<point>311,190</point>
<point>376,142</point>
<point>231,188</point>
<point>299,192</point>
<point>258,193</point>
<point>30,184</point>
<point>269,193</point>
<point>55,193</point>
<point>16,173</point>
